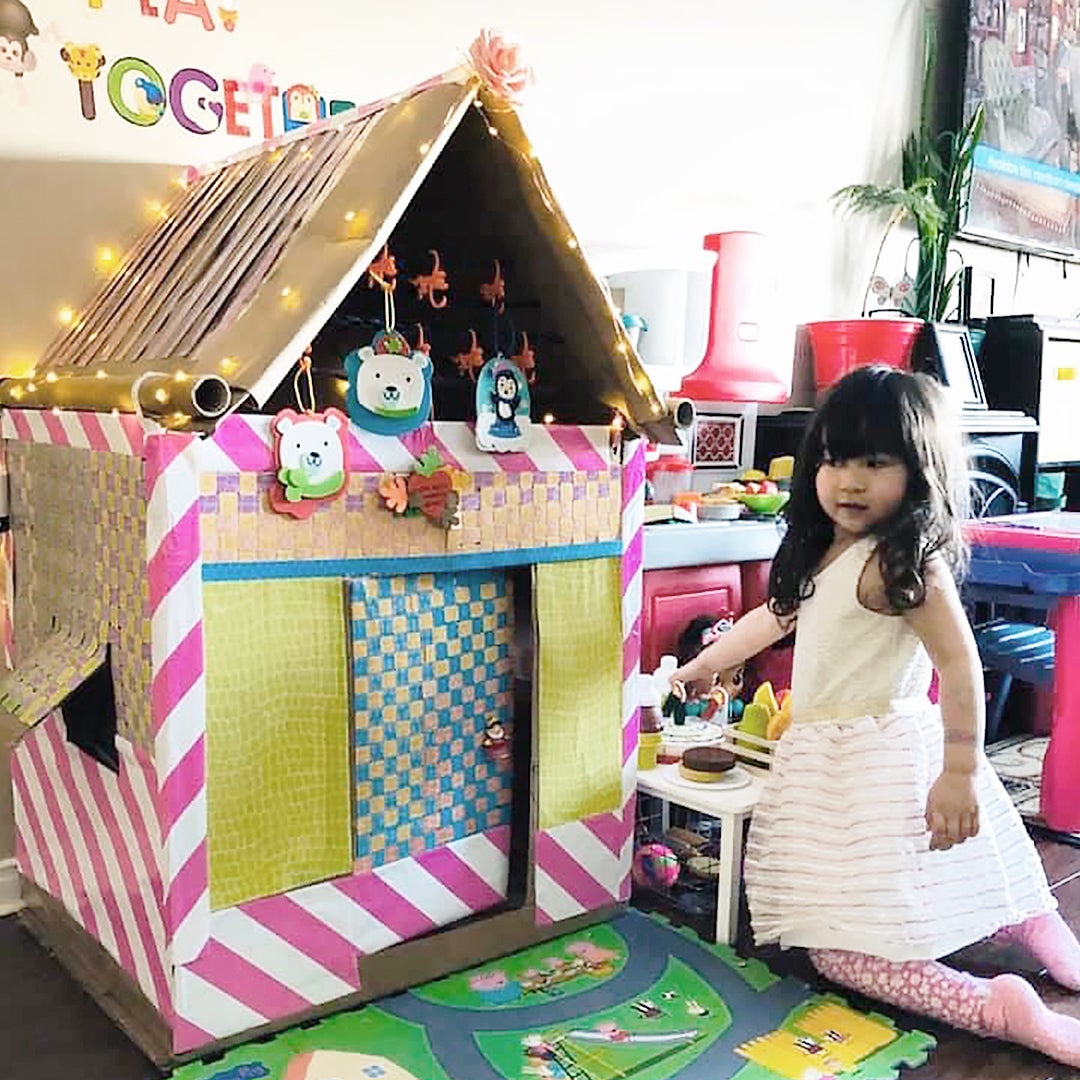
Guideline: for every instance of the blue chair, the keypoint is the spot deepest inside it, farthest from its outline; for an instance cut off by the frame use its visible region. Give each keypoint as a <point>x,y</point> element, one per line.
<point>1013,650</point>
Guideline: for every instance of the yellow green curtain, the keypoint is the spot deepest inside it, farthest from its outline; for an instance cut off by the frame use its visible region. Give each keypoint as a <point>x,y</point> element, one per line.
<point>278,736</point>
<point>579,696</point>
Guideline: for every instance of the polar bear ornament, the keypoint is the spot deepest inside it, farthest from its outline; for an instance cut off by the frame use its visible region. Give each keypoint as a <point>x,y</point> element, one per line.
<point>311,457</point>
<point>389,385</point>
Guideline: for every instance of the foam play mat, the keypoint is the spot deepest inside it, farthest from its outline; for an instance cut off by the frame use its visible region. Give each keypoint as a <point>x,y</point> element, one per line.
<point>633,998</point>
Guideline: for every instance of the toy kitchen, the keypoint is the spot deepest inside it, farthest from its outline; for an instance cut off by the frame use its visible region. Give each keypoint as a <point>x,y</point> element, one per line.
<point>708,338</point>
<point>712,524</point>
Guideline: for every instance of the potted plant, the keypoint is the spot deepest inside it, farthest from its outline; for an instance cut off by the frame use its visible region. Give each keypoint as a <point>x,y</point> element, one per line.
<point>933,194</point>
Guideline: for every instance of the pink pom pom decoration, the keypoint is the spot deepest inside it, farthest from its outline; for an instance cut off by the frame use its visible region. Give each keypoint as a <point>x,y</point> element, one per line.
<point>500,66</point>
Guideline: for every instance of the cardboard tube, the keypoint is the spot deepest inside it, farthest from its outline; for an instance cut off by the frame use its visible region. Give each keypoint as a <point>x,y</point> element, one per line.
<point>197,396</point>
<point>683,413</point>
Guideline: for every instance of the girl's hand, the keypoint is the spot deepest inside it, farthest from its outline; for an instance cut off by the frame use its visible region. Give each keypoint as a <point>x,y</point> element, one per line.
<point>682,676</point>
<point>952,810</point>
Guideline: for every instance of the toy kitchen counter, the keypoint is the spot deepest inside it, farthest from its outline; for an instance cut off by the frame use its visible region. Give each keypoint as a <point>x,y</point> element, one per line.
<point>714,569</point>
<point>670,545</point>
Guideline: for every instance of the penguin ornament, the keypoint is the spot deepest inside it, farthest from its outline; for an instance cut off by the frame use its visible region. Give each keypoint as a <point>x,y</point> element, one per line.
<point>502,407</point>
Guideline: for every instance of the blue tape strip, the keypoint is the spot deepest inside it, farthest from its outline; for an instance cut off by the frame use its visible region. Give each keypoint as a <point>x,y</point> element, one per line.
<point>407,564</point>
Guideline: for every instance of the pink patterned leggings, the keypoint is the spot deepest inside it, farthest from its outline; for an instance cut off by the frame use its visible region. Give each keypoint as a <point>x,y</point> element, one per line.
<point>926,987</point>
<point>1005,1007</point>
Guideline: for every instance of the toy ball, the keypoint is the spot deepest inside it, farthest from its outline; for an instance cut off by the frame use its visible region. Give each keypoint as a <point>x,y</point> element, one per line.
<point>655,866</point>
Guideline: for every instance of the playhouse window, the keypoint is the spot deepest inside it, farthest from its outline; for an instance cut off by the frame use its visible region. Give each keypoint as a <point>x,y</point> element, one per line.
<point>89,713</point>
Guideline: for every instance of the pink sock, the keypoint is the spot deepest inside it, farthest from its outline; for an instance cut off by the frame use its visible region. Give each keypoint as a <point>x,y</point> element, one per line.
<point>1051,942</point>
<point>1005,1007</point>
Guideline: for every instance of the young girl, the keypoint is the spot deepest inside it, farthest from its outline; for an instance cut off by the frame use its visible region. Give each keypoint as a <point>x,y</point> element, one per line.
<point>884,840</point>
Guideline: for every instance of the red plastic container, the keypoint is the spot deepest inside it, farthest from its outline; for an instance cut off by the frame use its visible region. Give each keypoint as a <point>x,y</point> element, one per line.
<point>742,362</point>
<point>669,475</point>
<point>842,345</point>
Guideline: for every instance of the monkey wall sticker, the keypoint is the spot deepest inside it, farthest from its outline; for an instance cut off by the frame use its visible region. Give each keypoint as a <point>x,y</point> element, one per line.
<point>16,29</point>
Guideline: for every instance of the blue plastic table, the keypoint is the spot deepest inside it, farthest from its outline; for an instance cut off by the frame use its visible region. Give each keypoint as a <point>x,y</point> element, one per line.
<point>1038,555</point>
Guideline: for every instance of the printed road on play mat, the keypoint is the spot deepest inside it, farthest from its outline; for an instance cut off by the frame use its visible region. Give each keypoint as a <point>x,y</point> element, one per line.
<point>634,999</point>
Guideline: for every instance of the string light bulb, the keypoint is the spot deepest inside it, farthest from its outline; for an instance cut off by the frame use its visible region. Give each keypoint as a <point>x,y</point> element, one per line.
<point>493,130</point>
<point>99,374</point>
<point>621,348</point>
<point>17,393</point>
<point>66,315</point>
<point>160,396</point>
<point>549,418</point>
<point>106,257</point>
<point>51,377</point>
<point>31,387</point>
<point>228,365</point>
<point>571,243</point>
<point>425,147</point>
<point>180,376</point>
<point>56,410</point>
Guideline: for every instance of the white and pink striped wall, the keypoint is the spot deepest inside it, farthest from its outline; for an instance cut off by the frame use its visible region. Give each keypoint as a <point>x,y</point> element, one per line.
<point>127,853</point>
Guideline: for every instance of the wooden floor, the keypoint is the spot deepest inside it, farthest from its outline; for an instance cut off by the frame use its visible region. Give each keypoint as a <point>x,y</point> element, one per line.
<point>50,1030</point>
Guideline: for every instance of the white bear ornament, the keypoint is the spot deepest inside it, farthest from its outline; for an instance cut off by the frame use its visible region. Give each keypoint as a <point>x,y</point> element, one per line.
<point>312,460</point>
<point>389,385</point>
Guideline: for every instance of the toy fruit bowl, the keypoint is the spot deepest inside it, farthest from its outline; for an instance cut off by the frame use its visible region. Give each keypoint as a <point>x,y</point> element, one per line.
<point>767,504</point>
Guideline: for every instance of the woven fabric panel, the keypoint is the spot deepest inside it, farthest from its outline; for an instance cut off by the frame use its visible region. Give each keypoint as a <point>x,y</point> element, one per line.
<point>48,674</point>
<point>432,661</point>
<point>277,729</point>
<point>78,520</point>
<point>499,512</point>
<point>579,696</point>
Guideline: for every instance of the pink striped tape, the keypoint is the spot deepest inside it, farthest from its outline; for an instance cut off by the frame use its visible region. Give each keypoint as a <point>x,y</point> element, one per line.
<point>245,443</point>
<point>119,433</point>
<point>272,957</point>
<point>177,688</point>
<point>88,837</point>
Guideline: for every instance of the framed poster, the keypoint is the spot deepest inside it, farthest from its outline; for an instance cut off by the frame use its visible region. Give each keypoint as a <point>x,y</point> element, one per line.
<point>1021,60</point>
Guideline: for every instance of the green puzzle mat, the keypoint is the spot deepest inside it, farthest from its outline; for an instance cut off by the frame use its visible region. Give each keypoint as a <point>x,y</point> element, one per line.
<point>633,999</point>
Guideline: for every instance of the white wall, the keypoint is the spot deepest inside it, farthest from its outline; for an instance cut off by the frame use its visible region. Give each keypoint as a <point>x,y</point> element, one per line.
<point>656,123</point>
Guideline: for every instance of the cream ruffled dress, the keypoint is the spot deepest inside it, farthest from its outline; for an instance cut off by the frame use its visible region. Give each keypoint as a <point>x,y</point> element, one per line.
<point>838,855</point>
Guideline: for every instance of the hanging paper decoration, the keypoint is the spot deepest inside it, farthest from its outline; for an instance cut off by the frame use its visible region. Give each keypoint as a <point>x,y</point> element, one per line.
<point>470,361</point>
<point>421,344</point>
<point>502,407</point>
<point>433,286</point>
<point>430,489</point>
<point>311,455</point>
<point>389,384</point>
<point>493,292</point>
<point>526,359</point>
<point>383,271</point>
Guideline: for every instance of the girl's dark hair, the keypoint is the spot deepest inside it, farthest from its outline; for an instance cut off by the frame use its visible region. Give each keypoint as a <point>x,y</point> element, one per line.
<point>879,410</point>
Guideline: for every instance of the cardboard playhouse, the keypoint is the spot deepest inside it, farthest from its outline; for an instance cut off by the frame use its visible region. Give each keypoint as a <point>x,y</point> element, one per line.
<point>283,756</point>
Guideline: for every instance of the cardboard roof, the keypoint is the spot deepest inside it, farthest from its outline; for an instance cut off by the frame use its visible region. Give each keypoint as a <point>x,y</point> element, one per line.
<point>254,257</point>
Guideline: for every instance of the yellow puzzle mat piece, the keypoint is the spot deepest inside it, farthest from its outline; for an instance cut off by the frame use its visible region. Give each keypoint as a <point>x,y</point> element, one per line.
<point>827,1038</point>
